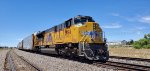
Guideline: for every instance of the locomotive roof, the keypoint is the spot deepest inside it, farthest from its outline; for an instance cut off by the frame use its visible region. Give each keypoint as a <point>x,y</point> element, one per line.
<point>81,16</point>
<point>76,17</point>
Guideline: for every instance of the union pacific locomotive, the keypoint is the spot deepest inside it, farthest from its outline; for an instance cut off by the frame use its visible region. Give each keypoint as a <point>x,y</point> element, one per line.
<point>78,36</point>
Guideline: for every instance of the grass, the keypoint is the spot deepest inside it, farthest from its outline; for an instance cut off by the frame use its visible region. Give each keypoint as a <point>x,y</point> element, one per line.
<point>3,49</point>
<point>130,52</point>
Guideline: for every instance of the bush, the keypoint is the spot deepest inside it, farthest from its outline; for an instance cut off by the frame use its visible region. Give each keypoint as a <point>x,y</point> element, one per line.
<point>143,43</point>
<point>137,45</point>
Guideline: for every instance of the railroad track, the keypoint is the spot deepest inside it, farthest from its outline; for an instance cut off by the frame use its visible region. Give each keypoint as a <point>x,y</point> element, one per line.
<point>122,66</point>
<point>126,63</point>
<point>116,62</point>
<point>129,58</point>
<point>110,64</point>
<point>14,62</point>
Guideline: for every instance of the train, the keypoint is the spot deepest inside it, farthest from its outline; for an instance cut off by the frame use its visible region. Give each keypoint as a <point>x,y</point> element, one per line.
<point>79,36</point>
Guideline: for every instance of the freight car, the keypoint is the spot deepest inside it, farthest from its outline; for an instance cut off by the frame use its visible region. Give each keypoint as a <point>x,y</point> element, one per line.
<point>78,36</point>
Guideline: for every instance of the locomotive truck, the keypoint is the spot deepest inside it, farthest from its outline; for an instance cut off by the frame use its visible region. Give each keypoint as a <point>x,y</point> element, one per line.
<point>79,36</point>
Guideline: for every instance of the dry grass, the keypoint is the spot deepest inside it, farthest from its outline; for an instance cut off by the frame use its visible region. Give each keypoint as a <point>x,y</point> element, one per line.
<point>1,49</point>
<point>130,52</point>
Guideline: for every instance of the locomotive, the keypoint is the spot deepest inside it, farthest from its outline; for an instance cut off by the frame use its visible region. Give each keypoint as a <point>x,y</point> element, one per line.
<point>79,36</point>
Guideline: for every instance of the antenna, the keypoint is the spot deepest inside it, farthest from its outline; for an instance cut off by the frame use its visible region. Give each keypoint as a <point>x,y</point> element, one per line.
<point>104,38</point>
<point>104,35</point>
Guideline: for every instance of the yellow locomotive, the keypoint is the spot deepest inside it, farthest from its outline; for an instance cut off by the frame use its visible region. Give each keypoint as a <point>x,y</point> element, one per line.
<point>78,36</point>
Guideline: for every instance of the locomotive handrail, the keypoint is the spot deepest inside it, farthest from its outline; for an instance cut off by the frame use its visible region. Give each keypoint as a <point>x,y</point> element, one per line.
<point>82,38</point>
<point>82,41</point>
<point>81,47</point>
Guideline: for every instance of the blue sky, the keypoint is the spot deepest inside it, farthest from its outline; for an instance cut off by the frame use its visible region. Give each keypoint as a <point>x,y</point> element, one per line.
<point>120,19</point>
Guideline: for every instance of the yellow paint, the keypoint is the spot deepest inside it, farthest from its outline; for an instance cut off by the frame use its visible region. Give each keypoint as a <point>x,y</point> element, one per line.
<point>74,34</point>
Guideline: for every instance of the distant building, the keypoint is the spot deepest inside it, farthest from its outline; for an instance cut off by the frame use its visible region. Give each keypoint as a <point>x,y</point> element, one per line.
<point>124,42</point>
<point>114,43</point>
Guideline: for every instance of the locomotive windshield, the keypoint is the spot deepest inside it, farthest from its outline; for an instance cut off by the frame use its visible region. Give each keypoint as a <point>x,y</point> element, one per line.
<point>83,20</point>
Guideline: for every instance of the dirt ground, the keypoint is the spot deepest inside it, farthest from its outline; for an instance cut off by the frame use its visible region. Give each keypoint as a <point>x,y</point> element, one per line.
<point>130,52</point>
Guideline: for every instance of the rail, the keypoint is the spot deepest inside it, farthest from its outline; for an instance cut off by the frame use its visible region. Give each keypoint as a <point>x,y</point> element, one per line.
<point>11,62</point>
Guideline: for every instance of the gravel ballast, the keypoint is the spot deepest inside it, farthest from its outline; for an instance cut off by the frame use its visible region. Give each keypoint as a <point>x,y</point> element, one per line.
<point>47,63</point>
<point>3,53</point>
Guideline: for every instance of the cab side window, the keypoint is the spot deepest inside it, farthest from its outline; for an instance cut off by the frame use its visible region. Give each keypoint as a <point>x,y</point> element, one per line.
<point>68,23</point>
<point>55,29</point>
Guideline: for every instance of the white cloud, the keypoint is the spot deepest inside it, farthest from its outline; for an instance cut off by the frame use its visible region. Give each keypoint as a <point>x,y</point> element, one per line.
<point>20,39</point>
<point>115,14</point>
<point>140,28</point>
<point>137,18</point>
<point>2,44</point>
<point>144,19</point>
<point>138,32</point>
<point>112,26</point>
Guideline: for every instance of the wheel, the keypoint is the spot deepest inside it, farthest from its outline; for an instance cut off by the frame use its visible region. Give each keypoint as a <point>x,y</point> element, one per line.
<point>105,57</point>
